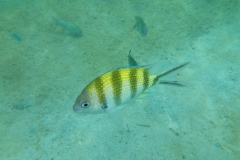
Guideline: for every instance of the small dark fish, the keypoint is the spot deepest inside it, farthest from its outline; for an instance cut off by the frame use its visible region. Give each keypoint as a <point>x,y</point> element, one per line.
<point>21,107</point>
<point>141,27</point>
<point>16,37</point>
<point>73,29</point>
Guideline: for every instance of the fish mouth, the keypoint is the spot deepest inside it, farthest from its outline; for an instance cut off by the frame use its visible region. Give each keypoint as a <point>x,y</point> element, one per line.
<point>76,108</point>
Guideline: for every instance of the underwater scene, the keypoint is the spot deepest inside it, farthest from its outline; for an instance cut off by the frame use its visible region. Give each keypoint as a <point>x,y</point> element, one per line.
<point>120,80</point>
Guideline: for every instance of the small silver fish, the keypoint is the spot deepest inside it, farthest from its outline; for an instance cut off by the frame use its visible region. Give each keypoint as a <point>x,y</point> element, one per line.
<point>112,90</point>
<point>73,29</point>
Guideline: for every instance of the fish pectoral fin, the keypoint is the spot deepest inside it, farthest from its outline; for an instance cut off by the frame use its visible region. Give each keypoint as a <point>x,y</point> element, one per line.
<point>116,116</point>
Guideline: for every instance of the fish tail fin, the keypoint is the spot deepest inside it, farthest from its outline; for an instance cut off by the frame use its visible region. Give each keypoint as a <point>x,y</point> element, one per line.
<point>168,72</point>
<point>54,21</point>
<point>175,83</point>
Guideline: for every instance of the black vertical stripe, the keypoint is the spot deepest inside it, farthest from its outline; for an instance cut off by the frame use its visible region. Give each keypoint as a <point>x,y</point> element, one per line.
<point>117,86</point>
<point>156,79</point>
<point>100,91</point>
<point>133,81</point>
<point>145,79</point>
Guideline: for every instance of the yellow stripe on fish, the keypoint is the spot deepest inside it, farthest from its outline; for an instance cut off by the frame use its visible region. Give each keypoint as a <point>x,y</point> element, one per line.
<point>115,88</point>
<point>119,86</point>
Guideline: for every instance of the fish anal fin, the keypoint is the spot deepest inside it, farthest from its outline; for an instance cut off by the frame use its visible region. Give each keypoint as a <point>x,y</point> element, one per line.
<point>144,95</point>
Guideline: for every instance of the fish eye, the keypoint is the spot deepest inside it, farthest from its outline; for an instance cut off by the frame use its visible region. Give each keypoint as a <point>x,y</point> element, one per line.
<point>85,104</point>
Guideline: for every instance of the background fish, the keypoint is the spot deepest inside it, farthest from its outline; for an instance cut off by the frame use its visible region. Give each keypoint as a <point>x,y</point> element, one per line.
<point>73,29</point>
<point>141,27</point>
<point>108,92</point>
<point>16,37</point>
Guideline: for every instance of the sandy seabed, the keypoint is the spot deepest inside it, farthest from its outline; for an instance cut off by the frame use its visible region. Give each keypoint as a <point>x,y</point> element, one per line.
<point>43,69</point>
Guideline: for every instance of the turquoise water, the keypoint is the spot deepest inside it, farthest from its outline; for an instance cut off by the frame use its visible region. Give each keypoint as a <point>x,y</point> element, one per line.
<point>43,68</point>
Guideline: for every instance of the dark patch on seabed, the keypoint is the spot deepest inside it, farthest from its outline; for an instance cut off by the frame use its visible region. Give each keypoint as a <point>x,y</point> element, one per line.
<point>20,106</point>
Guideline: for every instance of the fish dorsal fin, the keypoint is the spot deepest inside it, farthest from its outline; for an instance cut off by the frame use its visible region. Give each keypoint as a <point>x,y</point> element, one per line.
<point>131,60</point>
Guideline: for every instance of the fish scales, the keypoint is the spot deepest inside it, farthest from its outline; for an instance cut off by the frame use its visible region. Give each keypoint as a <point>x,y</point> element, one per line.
<point>117,87</point>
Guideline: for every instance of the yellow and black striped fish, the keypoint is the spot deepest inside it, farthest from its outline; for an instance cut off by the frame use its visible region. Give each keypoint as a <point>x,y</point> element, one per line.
<point>113,89</point>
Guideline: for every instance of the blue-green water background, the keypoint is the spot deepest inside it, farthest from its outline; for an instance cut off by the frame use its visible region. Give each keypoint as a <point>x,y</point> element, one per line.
<point>43,69</point>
